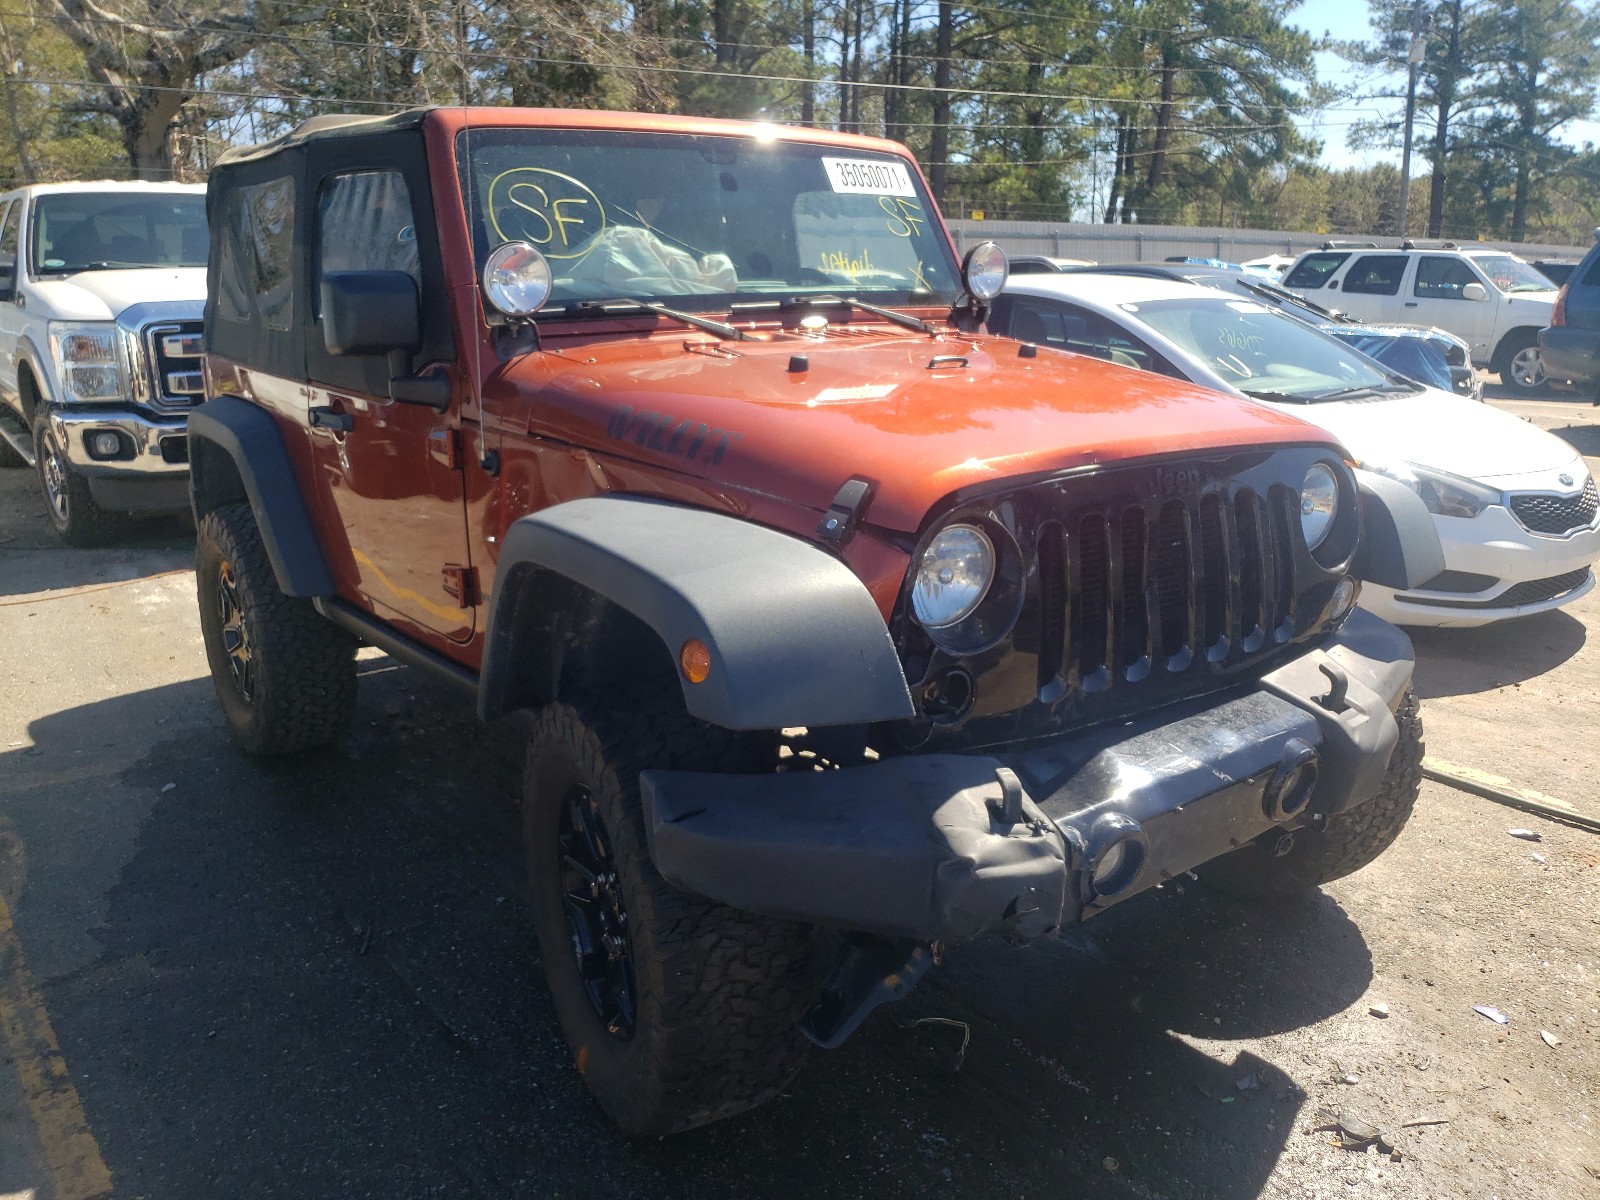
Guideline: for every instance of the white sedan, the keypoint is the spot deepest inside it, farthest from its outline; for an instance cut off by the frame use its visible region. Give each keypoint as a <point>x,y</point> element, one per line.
<point>1516,508</point>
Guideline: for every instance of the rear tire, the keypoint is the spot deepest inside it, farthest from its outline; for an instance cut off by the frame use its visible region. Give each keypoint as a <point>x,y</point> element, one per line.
<point>284,675</point>
<point>77,519</point>
<point>1518,363</point>
<point>679,1010</point>
<point>1344,843</point>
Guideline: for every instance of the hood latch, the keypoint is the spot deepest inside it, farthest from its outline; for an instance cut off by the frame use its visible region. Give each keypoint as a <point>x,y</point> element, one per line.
<point>839,522</point>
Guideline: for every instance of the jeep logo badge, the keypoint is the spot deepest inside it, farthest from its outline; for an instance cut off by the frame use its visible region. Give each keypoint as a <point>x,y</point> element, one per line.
<point>1178,482</point>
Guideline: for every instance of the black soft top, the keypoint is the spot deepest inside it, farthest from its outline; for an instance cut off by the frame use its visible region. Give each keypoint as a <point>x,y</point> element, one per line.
<point>326,126</point>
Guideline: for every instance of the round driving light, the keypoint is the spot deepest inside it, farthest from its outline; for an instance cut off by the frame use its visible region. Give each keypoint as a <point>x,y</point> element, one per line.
<point>516,279</point>
<point>1344,597</point>
<point>105,444</point>
<point>955,573</point>
<point>1319,503</point>
<point>984,271</point>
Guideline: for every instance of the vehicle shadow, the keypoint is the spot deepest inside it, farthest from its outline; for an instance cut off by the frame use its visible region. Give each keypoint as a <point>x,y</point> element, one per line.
<point>324,970</point>
<point>1459,662</point>
<point>1585,439</point>
<point>34,559</point>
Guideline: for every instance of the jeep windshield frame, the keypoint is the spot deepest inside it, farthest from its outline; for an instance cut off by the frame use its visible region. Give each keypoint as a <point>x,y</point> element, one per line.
<point>705,222</point>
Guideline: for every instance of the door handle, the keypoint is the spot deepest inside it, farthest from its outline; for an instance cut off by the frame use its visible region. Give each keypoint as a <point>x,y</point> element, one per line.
<point>327,418</point>
<point>1411,303</point>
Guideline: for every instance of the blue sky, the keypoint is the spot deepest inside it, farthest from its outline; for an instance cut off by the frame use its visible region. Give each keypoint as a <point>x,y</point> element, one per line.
<point>1348,19</point>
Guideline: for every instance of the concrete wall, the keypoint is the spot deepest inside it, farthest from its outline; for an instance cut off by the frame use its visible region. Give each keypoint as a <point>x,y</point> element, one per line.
<point>1153,243</point>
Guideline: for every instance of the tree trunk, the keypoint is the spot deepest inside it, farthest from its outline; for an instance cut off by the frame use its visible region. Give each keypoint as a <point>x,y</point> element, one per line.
<point>939,144</point>
<point>1445,90</point>
<point>1118,173</point>
<point>147,132</point>
<point>1158,153</point>
<point>808,90</point>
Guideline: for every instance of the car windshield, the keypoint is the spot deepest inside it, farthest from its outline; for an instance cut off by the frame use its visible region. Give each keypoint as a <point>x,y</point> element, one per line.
<point>1263,352</point>
<point>703,221</point>
<point>99,231</point>
<point>1512,274</point>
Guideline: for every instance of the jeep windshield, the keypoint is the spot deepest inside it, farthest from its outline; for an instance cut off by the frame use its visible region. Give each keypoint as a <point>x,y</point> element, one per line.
<point>106,231</point>
<point>706,222</point>
<point>1264,353</point>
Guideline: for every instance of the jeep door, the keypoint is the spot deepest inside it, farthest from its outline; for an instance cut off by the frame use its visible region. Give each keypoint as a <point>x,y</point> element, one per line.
<point>1437,296</point>
<point>389,473</point>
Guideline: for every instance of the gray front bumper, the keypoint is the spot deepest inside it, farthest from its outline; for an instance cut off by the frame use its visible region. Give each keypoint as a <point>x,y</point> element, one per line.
<point>932,847</point>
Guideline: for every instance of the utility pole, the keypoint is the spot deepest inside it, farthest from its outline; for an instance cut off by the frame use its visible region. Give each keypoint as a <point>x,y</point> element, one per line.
<point>1421,22</point>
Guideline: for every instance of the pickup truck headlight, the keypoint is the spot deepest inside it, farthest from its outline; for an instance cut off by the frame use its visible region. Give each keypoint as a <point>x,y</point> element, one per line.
<point>953,577</point>
<point>1446,495</point>
<point>88,361</point>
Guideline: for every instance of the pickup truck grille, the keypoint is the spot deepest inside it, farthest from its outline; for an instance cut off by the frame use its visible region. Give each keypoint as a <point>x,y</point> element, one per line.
<point>1159,588</point>
<point>173,351</point>
<point>1557,514</point>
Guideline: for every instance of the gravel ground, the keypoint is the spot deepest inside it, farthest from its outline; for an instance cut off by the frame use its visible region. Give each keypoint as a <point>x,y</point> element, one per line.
<point>318,979</point>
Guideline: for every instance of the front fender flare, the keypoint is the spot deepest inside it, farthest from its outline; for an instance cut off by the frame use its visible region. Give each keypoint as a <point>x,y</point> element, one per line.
<point>249,440</point>
<point>795,637</point>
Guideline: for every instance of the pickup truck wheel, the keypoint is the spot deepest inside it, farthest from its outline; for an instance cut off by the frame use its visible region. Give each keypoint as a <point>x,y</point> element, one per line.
<point>285,676</point>
<point>1344,843</point>
<point>1519,365</point>
<point>679,1010</point>
<point>78,520</point>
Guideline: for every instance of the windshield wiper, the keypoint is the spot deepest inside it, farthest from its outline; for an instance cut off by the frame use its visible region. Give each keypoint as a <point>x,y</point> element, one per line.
<point>855,302</point>
<point>1375,389</point>
<point>605,307</point>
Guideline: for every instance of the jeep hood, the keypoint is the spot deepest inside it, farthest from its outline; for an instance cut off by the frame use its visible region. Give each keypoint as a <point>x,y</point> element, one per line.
<point>102,295</point>
<point>918,417</point>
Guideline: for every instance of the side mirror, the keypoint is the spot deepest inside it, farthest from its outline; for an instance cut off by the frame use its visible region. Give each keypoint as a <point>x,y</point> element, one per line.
<point>1474,291</point>
<point>370,312</point>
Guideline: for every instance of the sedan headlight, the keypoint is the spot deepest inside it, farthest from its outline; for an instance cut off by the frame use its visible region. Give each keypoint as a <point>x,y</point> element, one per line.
<point>1319,504</point>
<point>1446,495</point>
<point>953,577</point>
<point>88,361</point>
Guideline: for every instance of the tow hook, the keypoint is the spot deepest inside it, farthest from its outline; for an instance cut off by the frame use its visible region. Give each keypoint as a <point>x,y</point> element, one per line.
<point>1338,685</point>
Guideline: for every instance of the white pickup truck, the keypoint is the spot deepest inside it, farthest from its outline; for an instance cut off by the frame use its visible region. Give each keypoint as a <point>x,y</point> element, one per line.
<point>102,289</point>
<point>1493,299</point>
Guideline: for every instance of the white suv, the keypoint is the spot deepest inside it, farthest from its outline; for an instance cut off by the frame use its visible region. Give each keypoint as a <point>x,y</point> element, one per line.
<point>102,290</point>
<point>1494,300</point>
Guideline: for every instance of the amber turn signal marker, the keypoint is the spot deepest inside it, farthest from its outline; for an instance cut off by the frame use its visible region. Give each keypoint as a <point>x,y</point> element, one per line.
<point>695,658</point>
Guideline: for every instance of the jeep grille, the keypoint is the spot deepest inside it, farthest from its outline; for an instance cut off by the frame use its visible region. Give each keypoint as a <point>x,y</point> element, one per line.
<point>1125,591</point>
<point>173,351</point>
<point>1141,585</point>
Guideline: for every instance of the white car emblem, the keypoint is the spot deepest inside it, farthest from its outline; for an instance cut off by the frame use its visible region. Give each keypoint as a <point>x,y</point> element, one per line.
<point>1566,480</point>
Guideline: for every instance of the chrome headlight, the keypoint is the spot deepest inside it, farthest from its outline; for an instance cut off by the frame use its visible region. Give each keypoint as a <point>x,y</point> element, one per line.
<point>953,577</point>
<point>88,361</point>
<point>1319,504</point>
<point>1446,495</point>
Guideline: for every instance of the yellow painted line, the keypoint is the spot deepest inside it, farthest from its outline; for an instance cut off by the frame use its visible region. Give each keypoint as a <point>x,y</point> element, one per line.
<point>71,1155</point>
<point>1485,779</point>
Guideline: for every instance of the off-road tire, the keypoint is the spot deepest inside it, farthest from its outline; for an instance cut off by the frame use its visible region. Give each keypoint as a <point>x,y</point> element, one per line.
<point>78,520</point>
<point>719,993</point>
<point>1344,843</point>
<point>1505,363</point>
<point>302,690</point>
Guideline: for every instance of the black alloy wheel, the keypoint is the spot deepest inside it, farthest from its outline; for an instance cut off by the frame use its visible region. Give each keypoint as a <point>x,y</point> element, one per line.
<point>235,632</point>
<point>597,918</point>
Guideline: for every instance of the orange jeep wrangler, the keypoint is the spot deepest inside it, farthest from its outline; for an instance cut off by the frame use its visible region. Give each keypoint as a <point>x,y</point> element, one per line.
<point>839,628</point>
